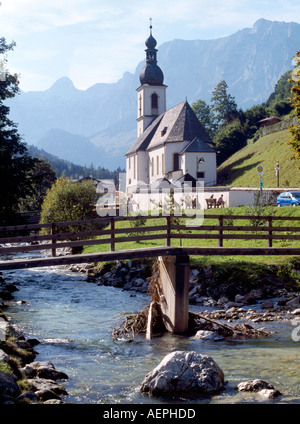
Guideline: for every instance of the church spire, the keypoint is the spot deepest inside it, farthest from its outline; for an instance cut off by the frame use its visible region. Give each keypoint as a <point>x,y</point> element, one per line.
<point>151,74</point>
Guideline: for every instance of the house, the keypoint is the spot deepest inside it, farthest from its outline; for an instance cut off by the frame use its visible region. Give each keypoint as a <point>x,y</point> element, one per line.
<point>266,122</point>
<point>171,144</point>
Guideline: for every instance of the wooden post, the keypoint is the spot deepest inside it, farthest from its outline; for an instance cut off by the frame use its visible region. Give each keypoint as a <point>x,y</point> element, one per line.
<point>174,274</point>
<point>168,240</point>
<point>270,232</point>
<point>112,234</point>
<point>53,231</point>
<point>220,241</point>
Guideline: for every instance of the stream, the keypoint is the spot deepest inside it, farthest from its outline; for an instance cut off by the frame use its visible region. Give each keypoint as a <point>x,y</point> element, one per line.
<point>73,320</point>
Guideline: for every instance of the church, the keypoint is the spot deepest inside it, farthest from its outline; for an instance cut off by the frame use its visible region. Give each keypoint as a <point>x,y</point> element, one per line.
<point>172,145</point>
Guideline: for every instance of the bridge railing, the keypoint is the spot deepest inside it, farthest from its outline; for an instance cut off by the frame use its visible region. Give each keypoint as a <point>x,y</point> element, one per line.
<point>107,231</point>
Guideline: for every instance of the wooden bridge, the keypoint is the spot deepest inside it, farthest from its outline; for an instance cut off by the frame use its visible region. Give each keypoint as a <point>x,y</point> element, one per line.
<point>175,242</point>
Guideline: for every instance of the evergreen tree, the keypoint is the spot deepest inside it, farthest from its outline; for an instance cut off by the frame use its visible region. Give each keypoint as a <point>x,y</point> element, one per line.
<point>42,178</point>
<point>223,105</point>
<point>15,162</point>
<point>204,114</point>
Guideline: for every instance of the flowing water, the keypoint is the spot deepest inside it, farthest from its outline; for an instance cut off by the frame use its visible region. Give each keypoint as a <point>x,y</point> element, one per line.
<point>73,320</point>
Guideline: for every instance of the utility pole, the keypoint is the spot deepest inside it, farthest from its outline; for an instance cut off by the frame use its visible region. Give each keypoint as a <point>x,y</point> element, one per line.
<point>277,173</point>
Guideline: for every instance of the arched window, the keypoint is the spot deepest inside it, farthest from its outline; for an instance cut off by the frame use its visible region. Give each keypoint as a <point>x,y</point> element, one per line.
<point>154,101</point>
<point>176,162</point>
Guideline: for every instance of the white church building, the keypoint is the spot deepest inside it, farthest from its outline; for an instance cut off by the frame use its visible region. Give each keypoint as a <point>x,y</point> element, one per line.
<point>172,145</point>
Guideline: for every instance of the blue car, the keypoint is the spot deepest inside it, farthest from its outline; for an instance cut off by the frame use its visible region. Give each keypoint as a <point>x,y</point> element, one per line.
<point>289,198</point>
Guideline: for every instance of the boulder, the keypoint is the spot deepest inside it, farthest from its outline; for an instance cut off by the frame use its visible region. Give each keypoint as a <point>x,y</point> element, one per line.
<point>3,329</point>
<point>44,370</point>
<point>208,335</point>
<point>270,394</point>
<point>46,394</point>
<point>294,303</point>
<point>52,402</point>
<point>38,384</point>
<point>8,385</point>
<point>50,373</point>
<point>184,372</point>
<point>249,299</point>
<point>28,397</point>
<point>256,293</point>
<point>239,298</point>
<point>6,295</point>
<point>261,387</point>
<point>296,312</point>
<point>139,282</point>
<point>254,386</point>
<point>267,305</point>
<point>3,356</point>
<point>222,300</point>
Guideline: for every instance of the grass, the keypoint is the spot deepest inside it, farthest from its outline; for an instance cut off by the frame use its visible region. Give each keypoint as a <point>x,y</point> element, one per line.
<point>209,220</point>
<point>240,169</point>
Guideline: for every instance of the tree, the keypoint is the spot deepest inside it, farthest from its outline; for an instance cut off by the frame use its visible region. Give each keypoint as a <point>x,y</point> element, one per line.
<point>229,140</point>
<point>204,114</point>
<point>294,142</point>
<point>282,90</point>
<point>223,105</point>
<point>67,201</point>
<point>42,177</point>
<point>15,161</point>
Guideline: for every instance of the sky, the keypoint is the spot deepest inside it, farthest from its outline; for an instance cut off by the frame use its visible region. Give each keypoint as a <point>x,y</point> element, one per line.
<point>96,41</point>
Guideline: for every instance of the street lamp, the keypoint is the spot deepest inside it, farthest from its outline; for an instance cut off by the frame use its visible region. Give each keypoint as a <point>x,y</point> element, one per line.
<point>277,173</point>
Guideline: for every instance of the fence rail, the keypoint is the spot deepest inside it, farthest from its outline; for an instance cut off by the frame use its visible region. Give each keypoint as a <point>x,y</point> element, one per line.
<point>104,231</point>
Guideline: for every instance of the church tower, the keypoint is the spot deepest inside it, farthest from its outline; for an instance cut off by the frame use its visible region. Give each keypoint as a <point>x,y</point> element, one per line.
<point>152,91</point>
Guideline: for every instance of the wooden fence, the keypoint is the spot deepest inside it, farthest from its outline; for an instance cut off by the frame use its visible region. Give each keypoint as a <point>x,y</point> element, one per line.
<point>105,231</point>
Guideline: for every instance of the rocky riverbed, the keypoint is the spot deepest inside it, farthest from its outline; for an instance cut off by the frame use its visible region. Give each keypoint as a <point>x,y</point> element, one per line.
<point>22,379</point>
<point>273,293</point>
<point>257,299</point>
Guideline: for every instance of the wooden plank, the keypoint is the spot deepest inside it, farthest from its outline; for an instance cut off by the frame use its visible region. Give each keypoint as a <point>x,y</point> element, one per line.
<point>81,234</point>
<point>94,233</point>
<point>147,253</point>
<point>233,228</point>
<point>132,218</point>
<point>18,249</point>
<point>238,236</point>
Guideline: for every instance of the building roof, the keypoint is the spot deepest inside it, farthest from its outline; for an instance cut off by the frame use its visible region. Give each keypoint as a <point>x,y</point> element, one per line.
<point>178,124</point>
<point>269,121</point>
<point>198,145</point>
<point>187,178</point>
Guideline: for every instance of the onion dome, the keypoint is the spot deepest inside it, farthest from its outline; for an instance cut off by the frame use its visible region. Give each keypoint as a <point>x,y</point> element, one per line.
<point>151,73</point>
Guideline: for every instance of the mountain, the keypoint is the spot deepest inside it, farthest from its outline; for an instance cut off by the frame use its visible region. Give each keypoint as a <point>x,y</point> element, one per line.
<point>104,116</point>
<point>75,148</point>
<point>69,169</point>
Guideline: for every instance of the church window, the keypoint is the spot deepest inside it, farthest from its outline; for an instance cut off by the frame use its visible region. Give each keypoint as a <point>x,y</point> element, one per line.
<point>163,163</point>
<point>157,165</point>
<point>129,163</point>
<point>200,174</point>
<point>176,162</point>
<point>163,132</point>
<point>152,167</point>
<point>134,167</point>
<point>154,102</point>
<point>140,105</point>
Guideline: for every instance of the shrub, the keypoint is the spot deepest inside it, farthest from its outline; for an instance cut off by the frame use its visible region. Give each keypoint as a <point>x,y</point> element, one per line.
<point>67,201</point>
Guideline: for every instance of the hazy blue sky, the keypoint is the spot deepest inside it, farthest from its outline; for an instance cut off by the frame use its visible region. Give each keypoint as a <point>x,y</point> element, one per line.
<point>94,41</point>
